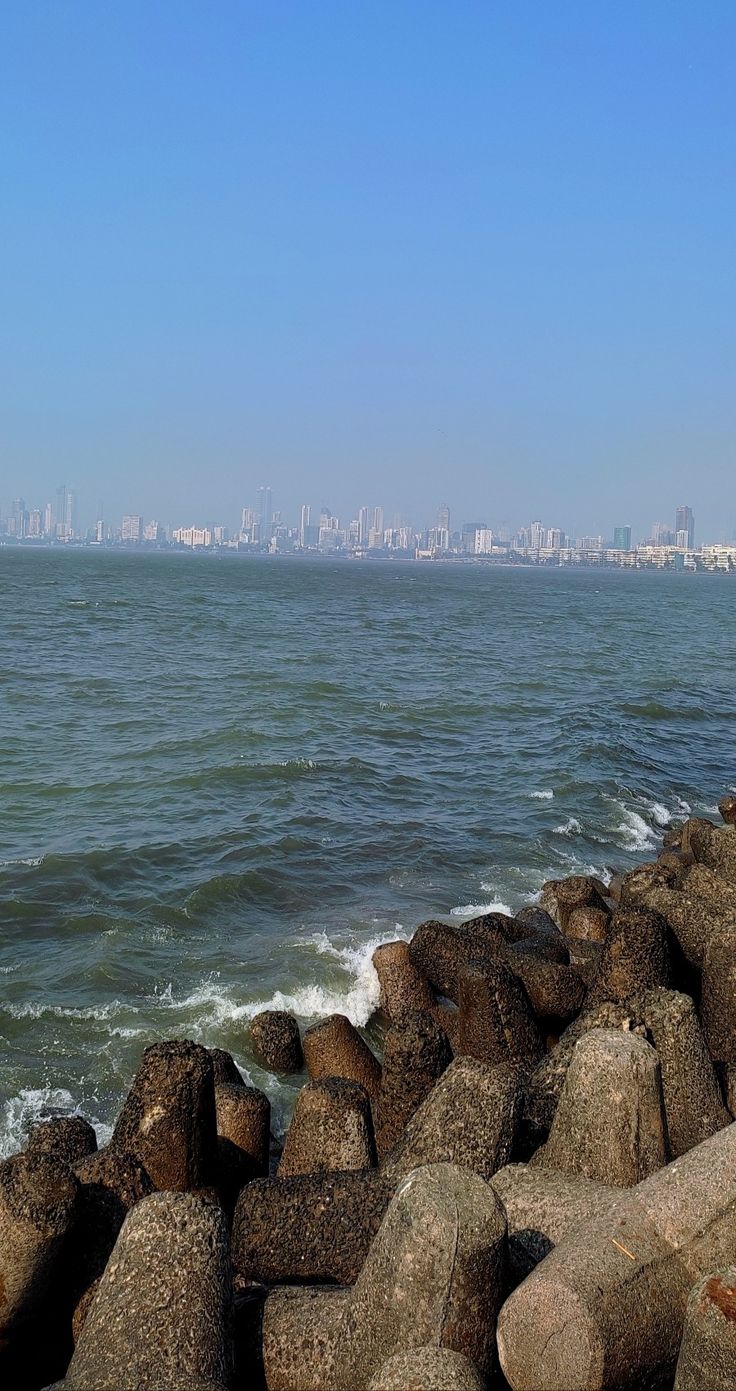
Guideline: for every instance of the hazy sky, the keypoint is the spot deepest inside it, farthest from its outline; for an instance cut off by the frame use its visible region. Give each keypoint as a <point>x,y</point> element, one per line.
<point>405,252</point>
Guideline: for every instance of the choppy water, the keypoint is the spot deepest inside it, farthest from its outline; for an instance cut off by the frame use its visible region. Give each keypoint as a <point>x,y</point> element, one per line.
<point>224,781</point>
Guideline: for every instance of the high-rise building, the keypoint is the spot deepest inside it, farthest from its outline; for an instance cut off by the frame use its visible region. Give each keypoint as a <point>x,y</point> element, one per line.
<point>48,519</point>
<point>537,535</point>
<point>132,528</point>
<point>154,531</point>
<point>662,535</point>
<point>467,535</point>
<point>685,521</point>
<point>35,523</point>
<point>66,513</point>
<point>378,519</point>
<point>682,539</point>
<point>363,527</point>
<point>265,513</point>
<point>483,541</point>
<point>19,518</point>
<point>305,524</point>
<point>443,518</point>
<point>622,538</point>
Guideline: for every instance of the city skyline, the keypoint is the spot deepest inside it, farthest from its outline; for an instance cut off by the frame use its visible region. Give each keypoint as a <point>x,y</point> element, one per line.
<point>369,529</point>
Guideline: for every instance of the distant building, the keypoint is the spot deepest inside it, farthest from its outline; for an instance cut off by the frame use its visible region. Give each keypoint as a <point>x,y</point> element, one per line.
<point>468,533</point>
<point>443,519</point>
<point>537,536</point>
<point>35,523</point>
<point>132,528</point>
<point>192,536</point>
<point>685,521</point>
<point>66,513</point>
<point>222,535</point>
<point>662,535</point>
<point>305,525</point>
<point>363,527</point>
<point>622,538</point>
<point>483,540</point>
<point>265,514</point>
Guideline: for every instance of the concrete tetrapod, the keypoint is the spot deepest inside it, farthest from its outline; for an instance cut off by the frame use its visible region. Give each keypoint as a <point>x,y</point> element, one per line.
<point>470,1118</point>
<point>609,1125</point>
<point>718,1003</point>
<point>160,1318</point>
<point>542,1207</point>
<point>168,1117</point>
<point>694,911</point>
<point>274,1036</point>
<point>496,1023</point>
<point>38,1198</point>
<point>605,1309</point>
<point>311,1228</point>
<point>403,986</point>
<point>692,1097</point>
<point>416,1052</point>
<point>433,1277</point>
<point>68,1138</point>
<point>331,1130</point>
<point>334,1048</point>
<point>708,1350</point>
<point>544,1087</point>
<point>428,1369</point>
<point>714,846</point>
<point>635,955</point>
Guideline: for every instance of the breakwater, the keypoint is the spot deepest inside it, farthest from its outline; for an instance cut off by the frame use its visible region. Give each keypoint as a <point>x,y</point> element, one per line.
<point>532,1185</point>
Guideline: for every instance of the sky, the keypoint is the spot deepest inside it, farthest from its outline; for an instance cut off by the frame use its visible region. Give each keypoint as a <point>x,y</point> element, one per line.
<point>409,252</point>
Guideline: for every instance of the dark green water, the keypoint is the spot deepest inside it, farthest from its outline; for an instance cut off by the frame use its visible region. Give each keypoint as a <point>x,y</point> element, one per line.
<point>224,781</point>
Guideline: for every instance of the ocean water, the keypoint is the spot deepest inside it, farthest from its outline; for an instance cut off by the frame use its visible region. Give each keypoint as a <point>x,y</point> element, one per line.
<point>224,781</point>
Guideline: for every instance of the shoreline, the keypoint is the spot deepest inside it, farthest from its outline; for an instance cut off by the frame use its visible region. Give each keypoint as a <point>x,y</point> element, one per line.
<point>544,1076</point>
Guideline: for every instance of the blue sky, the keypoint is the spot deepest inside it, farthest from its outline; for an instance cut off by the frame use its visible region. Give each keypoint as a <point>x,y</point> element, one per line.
<point>398,253</point>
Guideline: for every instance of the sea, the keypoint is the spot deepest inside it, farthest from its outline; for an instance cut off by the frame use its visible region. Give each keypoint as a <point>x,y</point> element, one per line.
<point>225,780</point>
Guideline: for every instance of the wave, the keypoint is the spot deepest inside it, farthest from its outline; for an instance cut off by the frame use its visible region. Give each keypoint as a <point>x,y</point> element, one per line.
<point>545,795</point>
<point>32,1104</point>
<point>476,910</point>
<point>571,827</point>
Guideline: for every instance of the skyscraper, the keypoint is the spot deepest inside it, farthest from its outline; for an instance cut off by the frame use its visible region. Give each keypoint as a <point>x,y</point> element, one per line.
<point>363,527</point>
<point>66,512</point>
<point>443,518</point>
<point>622,538</point>
<point>305,524</point>
<point>685,521</point>
<point>378,520</point>
<point>265,513</point>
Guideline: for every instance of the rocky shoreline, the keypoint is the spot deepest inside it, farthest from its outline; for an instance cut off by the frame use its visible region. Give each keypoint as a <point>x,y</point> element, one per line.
<point>534,1187</point>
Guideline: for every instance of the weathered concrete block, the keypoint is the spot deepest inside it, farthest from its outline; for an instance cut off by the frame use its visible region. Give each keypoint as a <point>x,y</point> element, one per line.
<point>585,958</point>
<point>110,1184</point>
<point>274,1036</point>
<point>727,808</point>
<point>38,1201</point>
<point>428,1369</point>
<point>544,1087</point>
<point>543,1206</point>
<point>496,1023</point>
<point>718,1000</point>
<point>168,1118</point>
<point>470,1118</point>
<point>605,1309</point>
<point>334,1048</point>
<point>554,991</point>
<point>588,924</point>
<point>707,1360</point>
<point>714,846</point>
<point>243,1116</point>
<point>700,907</point>
<point>312,1228</point>
<point>160,1318</point>
<point>331,1130</point>
<point>225,1071</point>
<point>692,1098</point>
<point>635,956</point>
<point>433,1277</point>
<point>561,897</point>
<point>609,1125</point>
<point>416,1053</point>
<point>67,1138</point>
<point>404,988</point>
<point>302,1332</point>
<point>440,950</point>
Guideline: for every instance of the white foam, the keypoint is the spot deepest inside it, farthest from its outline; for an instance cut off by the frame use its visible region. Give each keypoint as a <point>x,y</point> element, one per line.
<point>32,861</point>
<point>634,832</point>
<point>33,1104</point>
<point>358,997</point>
<point>544,795</point>
<point>571,827</point>
<point>476,910</point>
<point>660,814</point>
<point>31,1010</point>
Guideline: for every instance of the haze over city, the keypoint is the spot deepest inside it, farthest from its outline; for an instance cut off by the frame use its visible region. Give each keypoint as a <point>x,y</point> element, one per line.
<point>416,254</point>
